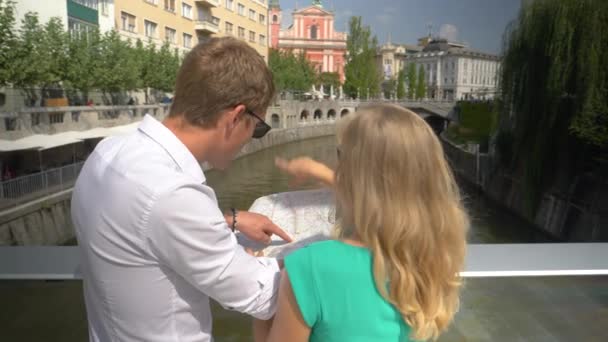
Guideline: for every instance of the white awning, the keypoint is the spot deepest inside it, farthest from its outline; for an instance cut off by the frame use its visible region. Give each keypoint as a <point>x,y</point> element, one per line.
<point>47,141</point>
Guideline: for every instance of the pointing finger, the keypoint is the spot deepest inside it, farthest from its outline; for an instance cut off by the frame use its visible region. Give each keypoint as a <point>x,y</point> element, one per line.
<point>273,228</point>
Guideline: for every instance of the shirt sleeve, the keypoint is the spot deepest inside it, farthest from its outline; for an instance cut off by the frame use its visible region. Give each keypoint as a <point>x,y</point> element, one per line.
<point>188,233</point>
<point>300,271</point>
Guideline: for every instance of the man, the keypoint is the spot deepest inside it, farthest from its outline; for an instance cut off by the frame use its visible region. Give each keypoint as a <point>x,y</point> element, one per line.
<point>155,246</point>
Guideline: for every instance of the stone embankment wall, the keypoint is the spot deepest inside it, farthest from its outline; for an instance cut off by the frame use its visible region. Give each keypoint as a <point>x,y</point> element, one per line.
<point>578,216</point>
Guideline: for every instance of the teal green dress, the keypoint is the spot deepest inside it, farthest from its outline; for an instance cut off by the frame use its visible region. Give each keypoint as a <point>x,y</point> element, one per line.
<point>335,290</point>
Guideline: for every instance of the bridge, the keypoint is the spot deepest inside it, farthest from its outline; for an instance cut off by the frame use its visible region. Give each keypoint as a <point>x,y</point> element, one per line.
<point>287,113</point>
<point>534,294</point>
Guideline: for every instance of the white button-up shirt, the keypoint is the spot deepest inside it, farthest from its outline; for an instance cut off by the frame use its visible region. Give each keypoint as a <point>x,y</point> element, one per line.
<point>155,246</point>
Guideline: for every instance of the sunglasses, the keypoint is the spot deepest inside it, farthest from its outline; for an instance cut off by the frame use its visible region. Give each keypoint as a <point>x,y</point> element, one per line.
<point>261,127</point>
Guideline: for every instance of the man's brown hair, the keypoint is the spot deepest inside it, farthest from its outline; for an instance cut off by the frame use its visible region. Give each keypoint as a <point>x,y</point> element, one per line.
<point>220,74</point>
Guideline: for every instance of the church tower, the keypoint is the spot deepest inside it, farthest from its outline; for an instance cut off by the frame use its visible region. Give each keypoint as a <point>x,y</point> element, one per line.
<point>274,15</point>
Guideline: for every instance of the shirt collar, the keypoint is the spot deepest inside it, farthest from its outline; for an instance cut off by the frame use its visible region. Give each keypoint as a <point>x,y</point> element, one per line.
<point>176,149</point>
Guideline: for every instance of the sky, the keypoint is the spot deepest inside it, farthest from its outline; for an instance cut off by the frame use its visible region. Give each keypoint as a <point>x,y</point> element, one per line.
<point>480,23</point>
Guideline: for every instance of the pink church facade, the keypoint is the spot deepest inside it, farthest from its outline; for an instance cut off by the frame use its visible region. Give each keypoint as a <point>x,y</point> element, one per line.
<point>313,34</point>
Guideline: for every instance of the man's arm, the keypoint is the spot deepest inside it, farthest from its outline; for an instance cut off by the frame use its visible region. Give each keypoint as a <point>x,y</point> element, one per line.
<point>188,233</point>
<point>288,323</point>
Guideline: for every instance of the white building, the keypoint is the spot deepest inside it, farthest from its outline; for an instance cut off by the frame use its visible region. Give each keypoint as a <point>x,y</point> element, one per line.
<point>455,72</point>
<point>76,15</point>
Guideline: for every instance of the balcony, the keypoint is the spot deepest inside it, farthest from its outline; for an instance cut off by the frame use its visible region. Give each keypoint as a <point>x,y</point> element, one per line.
<point>208,25</point>
<point>208,3</point>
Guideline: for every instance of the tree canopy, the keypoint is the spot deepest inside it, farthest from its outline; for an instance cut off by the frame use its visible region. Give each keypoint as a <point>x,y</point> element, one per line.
<point>361,70</point>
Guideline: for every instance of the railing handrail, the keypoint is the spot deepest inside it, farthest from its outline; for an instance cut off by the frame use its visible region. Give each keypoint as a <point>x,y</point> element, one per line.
<point>47,171</point>
<point>483,260</point>
<point>32,110</point>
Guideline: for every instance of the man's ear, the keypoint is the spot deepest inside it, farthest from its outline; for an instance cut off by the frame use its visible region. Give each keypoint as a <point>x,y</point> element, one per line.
<point>230,117</point>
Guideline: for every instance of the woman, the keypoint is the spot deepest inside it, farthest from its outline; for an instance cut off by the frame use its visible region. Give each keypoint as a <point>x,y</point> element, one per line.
<point>392,272</point>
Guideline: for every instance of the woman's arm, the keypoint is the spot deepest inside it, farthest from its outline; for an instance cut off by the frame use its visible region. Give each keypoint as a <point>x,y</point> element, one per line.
<point>287,324</point>
<point>304,168</point>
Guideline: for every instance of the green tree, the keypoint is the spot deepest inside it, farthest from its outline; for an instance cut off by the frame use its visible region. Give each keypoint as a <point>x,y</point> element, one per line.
<point>118,71</point>
<point>291,72</point>
<point>401,85</point>
<point>554,89</point>
<point>82,72</point>
<point>411,81</point>
<point>362,74</point>
<point>8,39</point>
<point>29,58</point>
<point>421,84</point>
<point>53,47</point>
<point>326,80</point>
<point>389,87</point>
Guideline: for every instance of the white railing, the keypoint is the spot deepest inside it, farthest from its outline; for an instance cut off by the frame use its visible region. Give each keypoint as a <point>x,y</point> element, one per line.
<point>26,188</point>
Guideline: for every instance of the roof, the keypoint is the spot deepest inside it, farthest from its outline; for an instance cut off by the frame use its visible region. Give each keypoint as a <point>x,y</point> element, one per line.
<point>42,142</point>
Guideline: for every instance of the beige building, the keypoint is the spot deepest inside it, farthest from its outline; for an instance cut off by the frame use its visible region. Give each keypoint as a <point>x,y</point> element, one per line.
<point>243,19</point>
<point>184,23</point>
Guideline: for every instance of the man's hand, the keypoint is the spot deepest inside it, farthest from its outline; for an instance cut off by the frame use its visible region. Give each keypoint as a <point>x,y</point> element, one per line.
<point>258,227</point>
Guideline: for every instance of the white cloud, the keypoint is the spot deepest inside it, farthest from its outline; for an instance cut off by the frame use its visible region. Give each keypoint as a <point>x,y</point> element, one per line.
<point>449,32</point>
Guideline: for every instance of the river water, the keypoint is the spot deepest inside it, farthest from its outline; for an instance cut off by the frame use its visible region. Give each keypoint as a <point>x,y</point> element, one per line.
<point>54,311</point>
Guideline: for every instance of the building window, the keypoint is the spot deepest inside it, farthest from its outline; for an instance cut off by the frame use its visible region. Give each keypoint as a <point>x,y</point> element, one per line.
<point>275,18</point>
<point>252,14</point>
<point>78,28</point>
<point>262,40</point>
<point>230,5</point>
<point>187,41</point>
<point>153,2</point>
<point>262,19</point>
<point>241,32</point>
<point>128,22</point>
<point>241,10</point>
<point>313,32</point>
<point>150,29</point>
<point>170,5</point>
<point>229,27</point>
<point>186,10</point>
<point>252,36</point>
<point>88,3</point>
<point>10,124</point>
<point>170,35</point>
<point>104,7</point>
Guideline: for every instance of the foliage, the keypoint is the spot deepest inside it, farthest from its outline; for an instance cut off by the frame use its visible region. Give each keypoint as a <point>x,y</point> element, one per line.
<point>117,69</point>
<point>421,84</point>
<point>83,58</point>
<point>328,79</point>
<point>8,39</point>
<point>362,74</point>
<point>411,81</point>
<point>401,85</point>
<point>389,87</point>
<point>291,71</point>
<point>555,87</point>
<point>476,123</point>
<point>479,117</point>
<point>45,56</point>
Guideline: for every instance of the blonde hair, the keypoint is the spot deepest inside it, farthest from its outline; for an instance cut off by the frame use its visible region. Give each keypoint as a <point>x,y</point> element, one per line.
<point>397,195</point>
<point>219,74</point>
